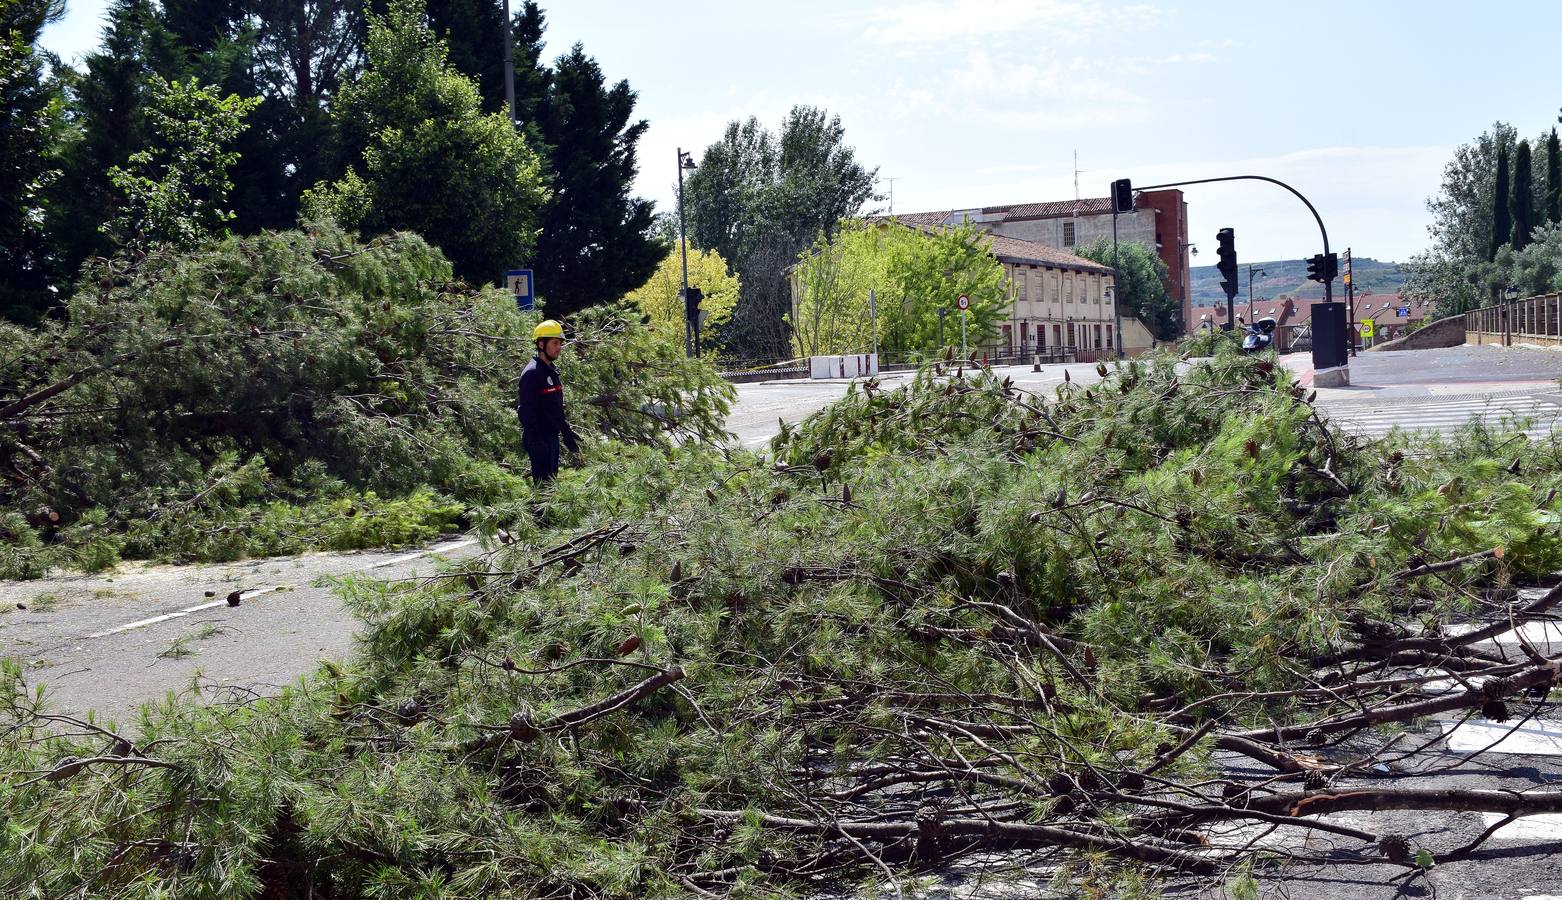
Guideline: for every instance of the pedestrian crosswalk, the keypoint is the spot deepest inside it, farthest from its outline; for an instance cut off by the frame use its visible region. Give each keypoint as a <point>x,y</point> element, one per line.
<point>1538,412</point>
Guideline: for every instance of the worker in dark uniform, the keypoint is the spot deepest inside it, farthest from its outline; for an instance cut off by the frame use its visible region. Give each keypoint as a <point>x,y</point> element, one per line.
<point>540,405</point>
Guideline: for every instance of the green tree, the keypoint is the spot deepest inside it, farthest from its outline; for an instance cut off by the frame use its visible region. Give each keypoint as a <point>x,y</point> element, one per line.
<point>830,286</point>
<point>595,242</point>
<point>914,273</point>
<point>30,119</point>
<point>177,192</point>
<point>1553,178</point>
<point>433,162</point>
<point>1522,203</point>
<point>760,198</point>
<point>1141,285</point>
<point>1502,211</point>
<point>658,296</point>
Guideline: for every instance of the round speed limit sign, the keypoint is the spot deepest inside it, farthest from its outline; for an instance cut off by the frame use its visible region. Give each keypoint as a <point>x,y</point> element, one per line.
<point>964,302</point>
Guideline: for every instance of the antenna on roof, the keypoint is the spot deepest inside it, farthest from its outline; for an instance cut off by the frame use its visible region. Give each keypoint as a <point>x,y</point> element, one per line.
<point>892,194</point>
<point>1076,184</point>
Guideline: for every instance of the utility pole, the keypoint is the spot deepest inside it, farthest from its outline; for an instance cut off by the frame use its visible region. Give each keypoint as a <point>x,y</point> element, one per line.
<point>873,321</point>
<point>685,161</point>
<point>1251,270</point>
<point>509,65</point>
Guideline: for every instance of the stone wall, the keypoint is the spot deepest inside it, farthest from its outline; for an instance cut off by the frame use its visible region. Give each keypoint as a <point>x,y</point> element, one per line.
<point>1447,332</point>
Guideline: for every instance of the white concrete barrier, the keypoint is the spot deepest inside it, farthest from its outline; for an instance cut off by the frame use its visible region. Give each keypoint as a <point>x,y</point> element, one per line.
<point>853,365</point>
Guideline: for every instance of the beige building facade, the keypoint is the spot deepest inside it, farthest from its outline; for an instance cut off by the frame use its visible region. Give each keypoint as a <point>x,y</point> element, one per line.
<point>1057,301</point>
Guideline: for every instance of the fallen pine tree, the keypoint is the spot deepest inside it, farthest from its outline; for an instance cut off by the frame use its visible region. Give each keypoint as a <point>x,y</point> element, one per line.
<point>941,621</point>
<point>291,391</point>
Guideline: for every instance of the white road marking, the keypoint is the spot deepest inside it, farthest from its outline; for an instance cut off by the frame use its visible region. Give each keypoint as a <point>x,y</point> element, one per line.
<point>1445,416</point>
<point>1545,826</point>
<point>1529,739</point>
<point>142,623</point>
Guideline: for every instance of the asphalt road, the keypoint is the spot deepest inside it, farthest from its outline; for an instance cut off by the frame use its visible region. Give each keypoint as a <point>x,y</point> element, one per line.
<point>113,641</point>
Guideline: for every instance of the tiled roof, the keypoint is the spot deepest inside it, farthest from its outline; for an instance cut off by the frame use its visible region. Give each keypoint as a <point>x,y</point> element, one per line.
<point>1088,206</point>
<point>1380,307</point>
<point>1052,209</point>
<point>1014,250</point>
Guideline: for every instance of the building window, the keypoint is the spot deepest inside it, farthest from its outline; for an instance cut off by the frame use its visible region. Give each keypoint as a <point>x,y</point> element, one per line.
<point>1068,234</point>
<point>1019,283</point>
<point>1068,290</point>
<point>1097,331</point>
<point>1109,337</point>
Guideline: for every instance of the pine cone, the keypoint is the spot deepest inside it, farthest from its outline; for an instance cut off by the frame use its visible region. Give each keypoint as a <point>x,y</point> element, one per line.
<point>1495,710</point>
<point>1396,847</point>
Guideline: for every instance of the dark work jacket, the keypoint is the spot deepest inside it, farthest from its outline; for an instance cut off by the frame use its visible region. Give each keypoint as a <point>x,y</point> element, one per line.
<point>539,403</point>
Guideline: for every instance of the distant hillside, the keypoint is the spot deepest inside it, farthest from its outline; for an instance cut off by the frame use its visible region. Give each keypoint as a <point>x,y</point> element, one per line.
<point>1289,277</point>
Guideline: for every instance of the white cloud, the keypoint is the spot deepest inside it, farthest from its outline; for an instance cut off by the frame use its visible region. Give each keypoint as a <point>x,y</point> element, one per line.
<point>932,22</point>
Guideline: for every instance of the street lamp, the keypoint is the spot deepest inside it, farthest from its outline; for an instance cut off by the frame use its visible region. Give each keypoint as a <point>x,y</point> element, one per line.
<point>685,163</point>
<point>1251,271</point>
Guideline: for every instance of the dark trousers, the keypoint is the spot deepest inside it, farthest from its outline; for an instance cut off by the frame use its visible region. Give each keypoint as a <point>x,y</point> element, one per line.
<point>543,449</point>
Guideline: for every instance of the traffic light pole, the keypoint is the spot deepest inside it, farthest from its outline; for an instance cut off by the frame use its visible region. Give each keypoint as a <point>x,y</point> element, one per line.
<point>1328,286</point>
<point>1117,285</point>
<point>1350,296</point>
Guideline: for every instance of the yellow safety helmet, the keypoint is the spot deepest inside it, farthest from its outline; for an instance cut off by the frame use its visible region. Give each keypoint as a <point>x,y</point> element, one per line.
<point>548,328</point>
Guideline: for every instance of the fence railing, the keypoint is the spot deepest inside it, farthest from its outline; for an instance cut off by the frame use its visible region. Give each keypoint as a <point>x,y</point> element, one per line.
<point>1537,318</point>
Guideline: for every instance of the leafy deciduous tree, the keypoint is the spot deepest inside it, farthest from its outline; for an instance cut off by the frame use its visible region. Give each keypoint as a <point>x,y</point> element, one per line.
<point>760,198</point>
<point>1141,285</point>
<point>176,192</point>
<point>658,296</point>
<point>914,273</point>
<point>434,163</point>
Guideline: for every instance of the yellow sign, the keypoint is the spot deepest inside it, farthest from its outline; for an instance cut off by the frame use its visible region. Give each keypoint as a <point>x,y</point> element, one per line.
<point>1347,278</point>
<point>1366,328</point>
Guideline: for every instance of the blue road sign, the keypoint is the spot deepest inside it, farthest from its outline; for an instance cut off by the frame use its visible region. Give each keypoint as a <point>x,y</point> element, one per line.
<point>519,282</point>
<point>1404,312</point>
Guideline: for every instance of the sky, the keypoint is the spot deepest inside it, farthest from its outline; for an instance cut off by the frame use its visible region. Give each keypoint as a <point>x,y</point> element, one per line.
<point>968,103</point>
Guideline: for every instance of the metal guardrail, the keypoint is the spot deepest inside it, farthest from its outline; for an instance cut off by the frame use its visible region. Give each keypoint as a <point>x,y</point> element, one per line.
<point>1537,318</point>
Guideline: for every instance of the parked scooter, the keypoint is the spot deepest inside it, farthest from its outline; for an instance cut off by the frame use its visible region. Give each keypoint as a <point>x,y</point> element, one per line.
<point>1260,336</point>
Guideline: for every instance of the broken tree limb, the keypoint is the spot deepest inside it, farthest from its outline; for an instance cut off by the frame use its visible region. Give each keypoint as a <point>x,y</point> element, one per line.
<point>522,729</point>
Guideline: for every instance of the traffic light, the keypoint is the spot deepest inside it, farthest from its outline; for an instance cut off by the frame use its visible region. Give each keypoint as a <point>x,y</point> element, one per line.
<point>691,303</point>
<point>1225,238</point>
<point>1122,196</point>
<point>1323,267</point>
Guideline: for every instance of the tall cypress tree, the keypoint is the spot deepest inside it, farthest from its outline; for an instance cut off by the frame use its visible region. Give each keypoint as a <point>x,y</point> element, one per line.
<point>29,118</point>
<point>1502,223</point>
<point>106,104</point>
<point>595,244</point>
<point>1523,201</point>
<point>1553,178</point>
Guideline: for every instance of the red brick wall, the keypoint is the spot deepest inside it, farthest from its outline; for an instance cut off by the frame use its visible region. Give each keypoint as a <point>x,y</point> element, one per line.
<point>1171,225</point>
